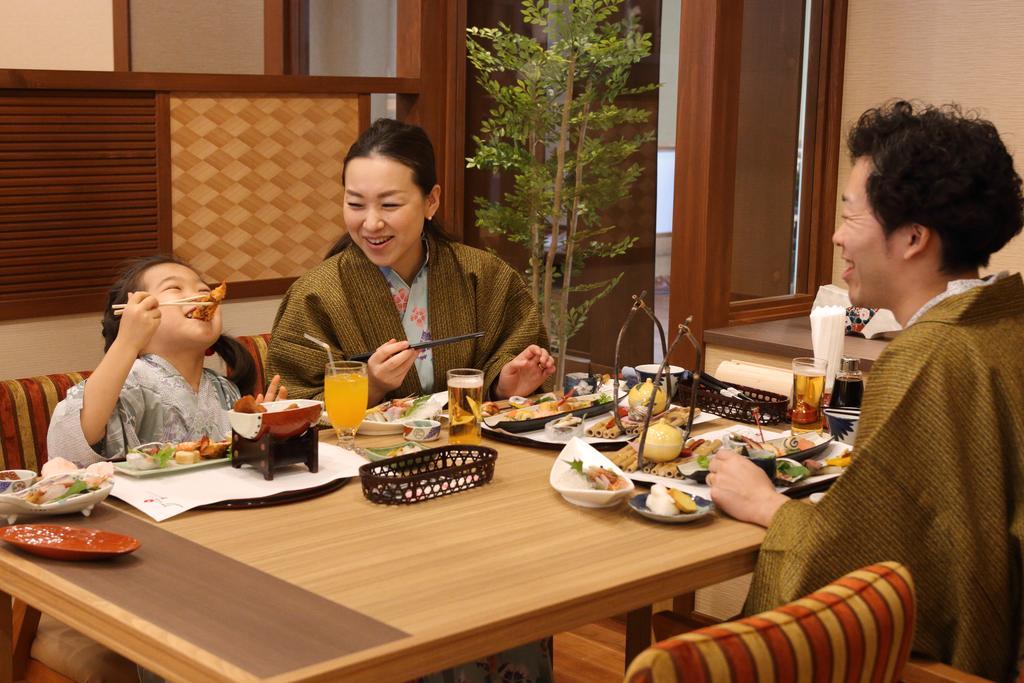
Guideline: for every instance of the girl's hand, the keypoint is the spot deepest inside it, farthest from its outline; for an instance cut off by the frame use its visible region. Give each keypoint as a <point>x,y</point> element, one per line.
<point>742,489</point>
<point>139,322</point>
<point>275,392</point>
<point>524,373</point>
<point>387,367</point>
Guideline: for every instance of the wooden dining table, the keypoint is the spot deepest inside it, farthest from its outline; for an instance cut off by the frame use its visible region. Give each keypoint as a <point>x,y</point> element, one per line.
<point>337,588</point>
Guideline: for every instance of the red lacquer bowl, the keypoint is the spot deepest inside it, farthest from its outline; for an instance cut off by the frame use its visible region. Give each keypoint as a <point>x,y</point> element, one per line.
<point>280,421</point>
<point>67,543</point>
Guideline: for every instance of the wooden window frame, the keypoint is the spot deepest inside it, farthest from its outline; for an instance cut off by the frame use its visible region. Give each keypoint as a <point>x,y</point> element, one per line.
<point>430,84</point>
<point>707,111</point>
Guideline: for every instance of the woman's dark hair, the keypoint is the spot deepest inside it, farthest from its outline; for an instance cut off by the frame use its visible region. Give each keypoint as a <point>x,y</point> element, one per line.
<point>242,369</point>
<point>408,145</point>
<point>944,170</point>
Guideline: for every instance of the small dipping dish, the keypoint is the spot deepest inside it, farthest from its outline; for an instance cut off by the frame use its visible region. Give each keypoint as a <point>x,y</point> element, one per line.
<point>12,481</point>
<point>563,429</point>
<point>421,430</point>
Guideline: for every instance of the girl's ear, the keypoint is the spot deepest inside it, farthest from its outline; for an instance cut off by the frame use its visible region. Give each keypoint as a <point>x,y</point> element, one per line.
<point>433,201</point>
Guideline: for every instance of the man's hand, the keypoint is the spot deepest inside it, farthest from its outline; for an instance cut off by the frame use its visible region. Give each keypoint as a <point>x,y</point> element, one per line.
<point>523,374</point>
<point>742,489</point>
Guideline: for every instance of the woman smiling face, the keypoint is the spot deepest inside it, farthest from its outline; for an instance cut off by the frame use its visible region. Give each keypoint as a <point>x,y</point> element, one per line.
<point>385,212</point>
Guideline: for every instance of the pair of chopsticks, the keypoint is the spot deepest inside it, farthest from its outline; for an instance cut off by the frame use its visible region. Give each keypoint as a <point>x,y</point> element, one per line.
<point>426,345</point>
<point>190,301</point>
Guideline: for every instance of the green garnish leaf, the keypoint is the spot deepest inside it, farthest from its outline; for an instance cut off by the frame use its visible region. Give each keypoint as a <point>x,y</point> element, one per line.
<point>164,456</point>
<point>76,488</point>
<point>704,461</point>
<point>415,404</point>
<point>577,465</point>
<point>604,398</point>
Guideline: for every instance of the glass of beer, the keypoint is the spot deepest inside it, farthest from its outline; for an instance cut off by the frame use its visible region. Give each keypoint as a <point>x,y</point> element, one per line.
<point>465,394</point>
<point>346,392</point>
<point>808,392</point>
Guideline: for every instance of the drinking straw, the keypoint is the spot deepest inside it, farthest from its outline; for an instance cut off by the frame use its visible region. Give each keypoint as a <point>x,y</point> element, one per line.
<point>327,347</point>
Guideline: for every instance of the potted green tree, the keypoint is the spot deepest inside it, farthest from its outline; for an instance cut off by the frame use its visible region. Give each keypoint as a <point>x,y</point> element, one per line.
<point>553,131</point>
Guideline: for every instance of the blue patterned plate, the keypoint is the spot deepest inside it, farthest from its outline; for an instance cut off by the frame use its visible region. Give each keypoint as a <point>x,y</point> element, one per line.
<point>704,507</point>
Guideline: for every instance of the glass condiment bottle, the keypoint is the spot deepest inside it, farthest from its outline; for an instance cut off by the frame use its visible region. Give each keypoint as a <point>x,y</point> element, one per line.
<point>848,389</point>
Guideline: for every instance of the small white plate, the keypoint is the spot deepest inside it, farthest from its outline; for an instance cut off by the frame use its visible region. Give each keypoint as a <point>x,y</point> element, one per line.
<point>577,449</point>
<point>704,507</point>
<point>13,507</point>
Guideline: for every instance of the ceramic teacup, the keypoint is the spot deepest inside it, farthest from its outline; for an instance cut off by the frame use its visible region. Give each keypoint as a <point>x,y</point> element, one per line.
<point>421,430</point>
<point>842,423</point>
<point>673,375</point>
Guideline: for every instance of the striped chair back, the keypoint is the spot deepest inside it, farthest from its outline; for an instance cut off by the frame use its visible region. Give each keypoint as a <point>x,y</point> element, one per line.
<point>25,408</point>
<point>858,628</point>
<point>256,345</point>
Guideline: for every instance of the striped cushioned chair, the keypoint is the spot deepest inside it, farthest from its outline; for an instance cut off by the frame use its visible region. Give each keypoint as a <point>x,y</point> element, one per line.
<point>25,408</point>
<point>859,627</point>
<point>256,345</point>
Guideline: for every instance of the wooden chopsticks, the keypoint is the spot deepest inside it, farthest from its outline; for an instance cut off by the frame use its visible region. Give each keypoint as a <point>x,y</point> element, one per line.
<point>190,301</point>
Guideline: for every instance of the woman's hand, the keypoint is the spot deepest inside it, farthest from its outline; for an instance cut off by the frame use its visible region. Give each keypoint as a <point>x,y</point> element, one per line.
<point>524,373</point>
<point>139,322</point>
<point>387,367</point>
<point>742,489</point>
<point>275,392</point>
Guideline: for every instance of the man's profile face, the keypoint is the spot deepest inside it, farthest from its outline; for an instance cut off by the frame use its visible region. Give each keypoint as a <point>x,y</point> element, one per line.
<point>867,262</point>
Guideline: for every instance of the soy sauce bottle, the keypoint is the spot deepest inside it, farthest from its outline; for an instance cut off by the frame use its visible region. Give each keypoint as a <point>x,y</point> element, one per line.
<point>848,389</point>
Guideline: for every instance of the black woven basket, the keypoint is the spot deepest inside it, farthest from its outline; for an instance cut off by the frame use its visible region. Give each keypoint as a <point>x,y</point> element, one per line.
<point>410,478</point>
<point>773,407</point>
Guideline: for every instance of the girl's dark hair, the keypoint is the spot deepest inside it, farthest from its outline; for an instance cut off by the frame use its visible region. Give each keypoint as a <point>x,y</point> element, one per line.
<point>408,145</point>
<point>241,368</point>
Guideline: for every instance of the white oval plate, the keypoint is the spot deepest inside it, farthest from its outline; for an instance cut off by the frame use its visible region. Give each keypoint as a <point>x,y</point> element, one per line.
<point>578,449</point>
<point>13,507</point>
<point>704,507</point>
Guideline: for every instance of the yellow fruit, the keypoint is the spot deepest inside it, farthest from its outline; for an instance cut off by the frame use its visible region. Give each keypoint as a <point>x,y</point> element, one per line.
<point>684,503</point>
<point>640,395</point>
<point>663,443</point>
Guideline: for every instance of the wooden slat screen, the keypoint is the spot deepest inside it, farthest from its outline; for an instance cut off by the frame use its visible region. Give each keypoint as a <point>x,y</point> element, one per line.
<point>78,196</point>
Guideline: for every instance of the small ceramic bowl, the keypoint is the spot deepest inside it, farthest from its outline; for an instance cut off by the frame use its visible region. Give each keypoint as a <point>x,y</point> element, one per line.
<point>12,481</point>
<point>673,375</point>
<point>421,430</point>
<point>842,423</point>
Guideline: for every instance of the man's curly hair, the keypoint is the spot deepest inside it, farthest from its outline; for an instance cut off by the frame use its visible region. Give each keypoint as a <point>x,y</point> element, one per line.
<point>944,170</point>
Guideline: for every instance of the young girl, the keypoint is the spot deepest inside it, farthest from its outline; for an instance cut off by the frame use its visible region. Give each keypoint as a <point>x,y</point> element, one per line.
<point>151,384</point>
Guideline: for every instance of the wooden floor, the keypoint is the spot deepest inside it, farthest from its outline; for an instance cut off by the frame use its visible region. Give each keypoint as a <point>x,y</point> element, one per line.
<point>591,654</point>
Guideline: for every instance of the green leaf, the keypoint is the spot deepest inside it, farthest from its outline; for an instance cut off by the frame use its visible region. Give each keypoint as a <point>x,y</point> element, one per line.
<point>78,487</point>
<point>577,465</point>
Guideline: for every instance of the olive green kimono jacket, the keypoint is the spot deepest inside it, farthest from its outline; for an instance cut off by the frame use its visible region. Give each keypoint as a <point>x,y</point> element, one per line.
<point>937,483</point>
<point>346,302</point>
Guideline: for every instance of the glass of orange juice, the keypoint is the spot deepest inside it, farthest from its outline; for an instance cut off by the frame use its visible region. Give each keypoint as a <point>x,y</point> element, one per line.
<point>346,392</point>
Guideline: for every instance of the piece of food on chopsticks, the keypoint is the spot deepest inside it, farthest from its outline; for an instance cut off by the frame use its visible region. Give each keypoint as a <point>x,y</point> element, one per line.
<point>216,296</point>
<point>597,477</point>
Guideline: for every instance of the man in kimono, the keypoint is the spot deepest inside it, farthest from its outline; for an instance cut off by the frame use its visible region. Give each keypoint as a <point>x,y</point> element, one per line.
<point>937,476</point>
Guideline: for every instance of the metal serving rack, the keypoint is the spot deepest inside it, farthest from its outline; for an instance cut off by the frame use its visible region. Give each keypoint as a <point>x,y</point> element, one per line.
<point>683,330</point>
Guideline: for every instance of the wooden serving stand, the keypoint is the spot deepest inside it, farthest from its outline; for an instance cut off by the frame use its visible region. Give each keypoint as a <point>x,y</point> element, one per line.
<point>267,453</point>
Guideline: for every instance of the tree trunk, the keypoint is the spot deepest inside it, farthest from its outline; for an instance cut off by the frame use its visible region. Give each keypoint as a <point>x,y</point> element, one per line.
<point>536,246</point>
<point>570,243</point>
<point>556,205</point>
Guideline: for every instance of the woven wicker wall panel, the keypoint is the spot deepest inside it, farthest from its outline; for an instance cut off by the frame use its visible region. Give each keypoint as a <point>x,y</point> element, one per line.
<point>256,189</point>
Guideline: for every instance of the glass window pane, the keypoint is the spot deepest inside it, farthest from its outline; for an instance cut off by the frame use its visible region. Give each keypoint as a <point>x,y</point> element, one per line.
<point>352,38</point>
<point>769,137</point>
<point>668,75</point>
<point>197,36</point>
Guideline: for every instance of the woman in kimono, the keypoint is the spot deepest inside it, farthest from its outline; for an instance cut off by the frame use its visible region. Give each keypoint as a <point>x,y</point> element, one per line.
<point>395,279</point>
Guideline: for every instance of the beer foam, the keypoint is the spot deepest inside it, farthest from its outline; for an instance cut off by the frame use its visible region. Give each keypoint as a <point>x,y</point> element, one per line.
<point>466,382</point>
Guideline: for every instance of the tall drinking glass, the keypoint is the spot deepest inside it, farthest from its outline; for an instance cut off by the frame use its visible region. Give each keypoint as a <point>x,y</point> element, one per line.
<point>808,393</point>
<point>465,394</point>
<point>346,392</point>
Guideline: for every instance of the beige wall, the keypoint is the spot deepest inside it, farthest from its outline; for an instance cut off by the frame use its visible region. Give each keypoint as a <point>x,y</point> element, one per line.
<point>940,51</point>
<point>41,346</point>
<point>57,34</point>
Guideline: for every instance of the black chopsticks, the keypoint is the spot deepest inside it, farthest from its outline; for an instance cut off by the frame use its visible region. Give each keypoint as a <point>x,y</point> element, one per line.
<point>426,345</point>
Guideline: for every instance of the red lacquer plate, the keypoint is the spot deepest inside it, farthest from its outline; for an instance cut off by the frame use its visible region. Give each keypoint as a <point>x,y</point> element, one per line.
<point>67,543</point>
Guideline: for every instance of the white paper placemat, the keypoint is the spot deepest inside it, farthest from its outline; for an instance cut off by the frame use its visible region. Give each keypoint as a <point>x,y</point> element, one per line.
<point>164,497</point>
